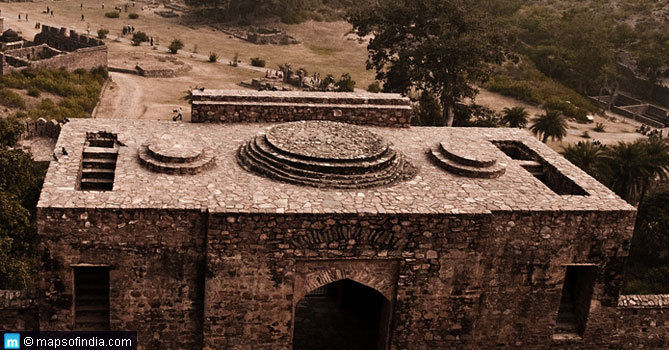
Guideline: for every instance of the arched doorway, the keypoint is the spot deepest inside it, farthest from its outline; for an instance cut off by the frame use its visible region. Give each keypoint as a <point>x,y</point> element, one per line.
<point>342,315</point>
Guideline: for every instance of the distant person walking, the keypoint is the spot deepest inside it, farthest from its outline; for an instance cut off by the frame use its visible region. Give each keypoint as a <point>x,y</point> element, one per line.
<point>19,17</point>
<point>82,17</point>
<point>81,6</point>
<point>51,13</point>
<point>26,17</point>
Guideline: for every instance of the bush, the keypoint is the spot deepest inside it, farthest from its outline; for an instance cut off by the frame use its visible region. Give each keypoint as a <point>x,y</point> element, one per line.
<point>33,91</point>
<point>585,135</point>
<point>213,57</point>
<point>599,127</point>
<point>138,38</point>
<point>175,46</point>
<point>235,60</point>
<point>112,14</point>
<point>345,84</point>
<point>10,131</point>
<point>374,87</point>
<point>133,15</point>
<point>11,99</point>
<point>102,33</point>
<point>257,62</point>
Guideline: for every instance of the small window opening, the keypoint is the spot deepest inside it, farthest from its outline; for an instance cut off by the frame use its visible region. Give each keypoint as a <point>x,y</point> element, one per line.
<point>575,302</point>
<point>91,298</point>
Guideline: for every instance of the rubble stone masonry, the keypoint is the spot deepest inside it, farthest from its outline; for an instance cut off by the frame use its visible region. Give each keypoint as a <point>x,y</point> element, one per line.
<point>219,259</point>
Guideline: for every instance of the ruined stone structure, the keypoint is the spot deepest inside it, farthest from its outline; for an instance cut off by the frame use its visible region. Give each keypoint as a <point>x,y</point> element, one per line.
<point>636,109</point>
<point>56,48</point>
<point>234,106</point>
<point>319,235</point>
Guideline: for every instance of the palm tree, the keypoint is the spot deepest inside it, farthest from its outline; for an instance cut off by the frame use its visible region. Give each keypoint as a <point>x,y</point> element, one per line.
<point>551,124</point>
<point>587,156</point>
<point>631,168</point>
<point>516,117</point>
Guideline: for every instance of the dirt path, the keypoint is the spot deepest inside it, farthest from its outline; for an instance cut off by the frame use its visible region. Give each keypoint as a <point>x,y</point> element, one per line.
<point>122,99</point>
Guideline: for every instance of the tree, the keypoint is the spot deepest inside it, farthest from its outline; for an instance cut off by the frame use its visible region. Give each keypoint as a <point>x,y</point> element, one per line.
<point>631,168</point>
<point>515,117</point>
<point>427,112</point>
<point>175,46</point>
<point>549,125</point>
<point>10,131</point>
<point>345,83</point>
<point>587,156</point>
<point>20,184</point>
<point>440,46</point>
<point>647,270</point>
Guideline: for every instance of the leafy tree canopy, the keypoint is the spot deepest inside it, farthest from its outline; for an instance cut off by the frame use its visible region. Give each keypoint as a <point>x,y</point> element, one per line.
<point>439,46</point>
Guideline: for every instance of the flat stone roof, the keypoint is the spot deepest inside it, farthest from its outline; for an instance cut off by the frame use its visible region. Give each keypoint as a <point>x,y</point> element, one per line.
<point>227,187</point>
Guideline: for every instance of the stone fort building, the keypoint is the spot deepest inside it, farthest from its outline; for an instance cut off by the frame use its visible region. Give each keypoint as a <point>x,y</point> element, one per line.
<point>322,221</point>
<point>55,48</point>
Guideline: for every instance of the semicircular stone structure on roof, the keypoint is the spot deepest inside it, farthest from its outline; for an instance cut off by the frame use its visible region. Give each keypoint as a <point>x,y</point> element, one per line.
<point>325,154</point>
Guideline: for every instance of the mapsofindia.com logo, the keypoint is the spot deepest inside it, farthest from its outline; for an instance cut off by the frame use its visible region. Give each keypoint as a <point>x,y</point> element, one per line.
<point>12,341</point>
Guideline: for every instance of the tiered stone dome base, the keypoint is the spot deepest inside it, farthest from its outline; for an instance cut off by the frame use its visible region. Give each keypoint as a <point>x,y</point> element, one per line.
<point>467,162</point>
<point>324,154</point>
<point>177,156</point>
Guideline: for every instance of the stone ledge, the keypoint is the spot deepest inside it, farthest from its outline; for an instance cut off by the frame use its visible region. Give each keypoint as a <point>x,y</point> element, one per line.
<point>637,301</point>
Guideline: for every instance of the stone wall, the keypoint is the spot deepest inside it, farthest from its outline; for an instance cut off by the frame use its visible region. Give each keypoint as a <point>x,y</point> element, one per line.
<point>41,128</point>
<point>643,321</point>
<point>156,260</point>
<point>463,282</point>
<point>18,311</point>
<point>230,106</point>
<point>57,49</point>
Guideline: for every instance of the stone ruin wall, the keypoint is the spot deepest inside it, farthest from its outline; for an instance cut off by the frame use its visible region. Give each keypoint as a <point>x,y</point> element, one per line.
<point>361,109</point>
<point>41,128</point>
<point>156,274</point>
<point>18,311</point>
<point>192,280</point>
<point>69,50</point>
<point>459,278</point>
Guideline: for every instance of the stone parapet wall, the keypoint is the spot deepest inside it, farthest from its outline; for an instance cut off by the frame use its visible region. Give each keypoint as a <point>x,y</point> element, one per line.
<point>18,311</point>
<point>41,128</point>
<point>233,106</point>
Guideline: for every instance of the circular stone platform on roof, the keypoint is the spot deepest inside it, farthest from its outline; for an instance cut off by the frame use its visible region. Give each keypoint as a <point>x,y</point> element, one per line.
<point>172,154</point>
<point>325,154</point>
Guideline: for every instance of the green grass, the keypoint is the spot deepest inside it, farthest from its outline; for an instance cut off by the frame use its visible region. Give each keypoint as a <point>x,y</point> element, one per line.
<point>323,51</point>
<point>80,91</point>
<point>525,82</point>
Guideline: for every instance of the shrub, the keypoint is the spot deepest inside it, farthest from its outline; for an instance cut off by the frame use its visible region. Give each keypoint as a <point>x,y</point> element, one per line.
<point>345,84</point>
<point>175,46</point>
<point>102,33</point>
<point>133,15</point>
<point>10,131</point>
<point>257,62</point>
<point>112,14</point>
<point>585,135</point>
<point>213,57</point>
<point>33,91</point>
<point>235,59</point>
<point>11,99</point>
<point>599,127</point>
<point>138,38</point>
<point>374,87</point>
<point>326,82</point>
